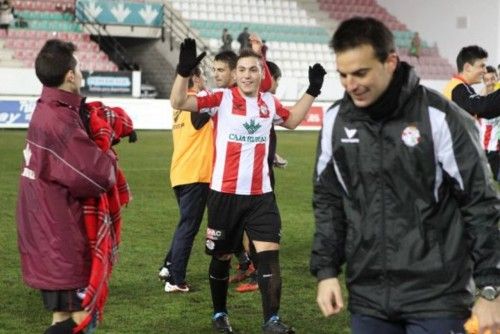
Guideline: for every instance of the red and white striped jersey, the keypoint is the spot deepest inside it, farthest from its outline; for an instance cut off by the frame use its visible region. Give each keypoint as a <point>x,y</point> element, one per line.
<point>241,131</point>
<point>490,132</point>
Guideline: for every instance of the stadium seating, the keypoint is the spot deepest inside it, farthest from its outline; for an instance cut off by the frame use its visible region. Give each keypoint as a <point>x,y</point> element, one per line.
<point>429,65</point>
<point>270,32</point>
<point>293,35</point>
<point>48,19</point>
<point>45,5</point>
<point>295,40</point>
<point>343,9</point>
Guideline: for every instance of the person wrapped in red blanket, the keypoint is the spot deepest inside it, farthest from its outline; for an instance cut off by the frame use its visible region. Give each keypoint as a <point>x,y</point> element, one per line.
<point>106,125</point>
<point>62,166</point>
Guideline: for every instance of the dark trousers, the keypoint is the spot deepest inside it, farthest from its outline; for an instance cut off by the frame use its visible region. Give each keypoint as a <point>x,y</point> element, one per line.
<point>192,199</point>
<point>362,324</point>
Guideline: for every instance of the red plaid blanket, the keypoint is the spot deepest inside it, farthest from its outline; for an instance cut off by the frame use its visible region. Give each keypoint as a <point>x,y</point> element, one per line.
<point>102,215</point>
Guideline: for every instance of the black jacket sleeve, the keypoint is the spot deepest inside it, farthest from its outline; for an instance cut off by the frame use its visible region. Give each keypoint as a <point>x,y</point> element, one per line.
<point>476,194</point>
<point>199,119</point>
<point>477,105</point>
<point>328,253</point>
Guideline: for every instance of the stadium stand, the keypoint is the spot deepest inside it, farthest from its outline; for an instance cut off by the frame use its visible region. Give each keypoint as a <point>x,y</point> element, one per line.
<point>294,36</point>
<point>296,33</point>
<point>430,65</point>
<point>344,9</point>
<point>47,19</point>
<point>45,5</point>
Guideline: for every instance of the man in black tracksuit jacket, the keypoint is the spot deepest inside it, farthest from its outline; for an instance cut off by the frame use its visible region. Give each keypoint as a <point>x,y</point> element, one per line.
<point>402,197</point>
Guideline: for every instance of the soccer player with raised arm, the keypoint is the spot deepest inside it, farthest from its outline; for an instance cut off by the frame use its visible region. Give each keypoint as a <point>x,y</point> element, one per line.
<point>240,197</point>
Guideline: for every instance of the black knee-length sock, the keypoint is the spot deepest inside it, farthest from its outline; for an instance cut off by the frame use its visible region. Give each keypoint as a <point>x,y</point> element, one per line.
<point>218,274</point>
<point>269,277</point>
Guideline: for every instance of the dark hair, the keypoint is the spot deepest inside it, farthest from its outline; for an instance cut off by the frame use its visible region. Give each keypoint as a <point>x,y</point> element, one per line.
<point>195,72</point>
<point>245,53</point>
<point>228,57</point>
<point>359,31</point>
<point>53,61</point>
<point>274,70</point>
<point>469,54</point>
<point>491,69</point>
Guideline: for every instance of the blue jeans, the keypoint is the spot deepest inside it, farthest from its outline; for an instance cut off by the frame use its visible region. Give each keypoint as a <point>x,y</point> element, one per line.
<point>192,199</point>
<point>362,324</point>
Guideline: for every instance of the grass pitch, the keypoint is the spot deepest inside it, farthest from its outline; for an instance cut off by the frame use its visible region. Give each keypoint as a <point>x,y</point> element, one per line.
<point>137,303</point>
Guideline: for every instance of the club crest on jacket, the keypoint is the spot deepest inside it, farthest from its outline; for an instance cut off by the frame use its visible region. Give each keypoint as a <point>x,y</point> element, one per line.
<point>411,136</point>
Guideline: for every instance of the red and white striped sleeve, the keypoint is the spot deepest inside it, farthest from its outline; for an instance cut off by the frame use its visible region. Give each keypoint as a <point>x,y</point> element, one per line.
<point>282,113</point>
<point>209,101</point>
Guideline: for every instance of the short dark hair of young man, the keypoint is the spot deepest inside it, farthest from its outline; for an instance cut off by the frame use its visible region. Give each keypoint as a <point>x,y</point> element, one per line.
<point>55,59</point>
<point>469,54</point>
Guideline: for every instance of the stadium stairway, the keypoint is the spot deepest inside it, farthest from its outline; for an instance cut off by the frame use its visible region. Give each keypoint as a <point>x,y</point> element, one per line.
<point>157,60</point>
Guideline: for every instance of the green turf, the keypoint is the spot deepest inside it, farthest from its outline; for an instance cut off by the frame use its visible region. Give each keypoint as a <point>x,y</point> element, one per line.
<point>137,303</point>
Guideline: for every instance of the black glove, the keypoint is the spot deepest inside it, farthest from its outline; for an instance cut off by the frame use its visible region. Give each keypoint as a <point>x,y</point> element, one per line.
<point>316,75</point>
<point>187,57</point>
<point>132,137</point>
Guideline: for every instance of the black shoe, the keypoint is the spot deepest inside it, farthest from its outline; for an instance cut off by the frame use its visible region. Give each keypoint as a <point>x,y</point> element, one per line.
<point>65,326</point>
<point>221,324</point>
<point>274,325</point>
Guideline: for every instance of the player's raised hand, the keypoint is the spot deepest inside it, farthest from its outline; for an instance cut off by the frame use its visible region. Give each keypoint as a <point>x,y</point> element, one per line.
<point>187,57</point>
<point>256,43</point>
<point>316,77</point>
